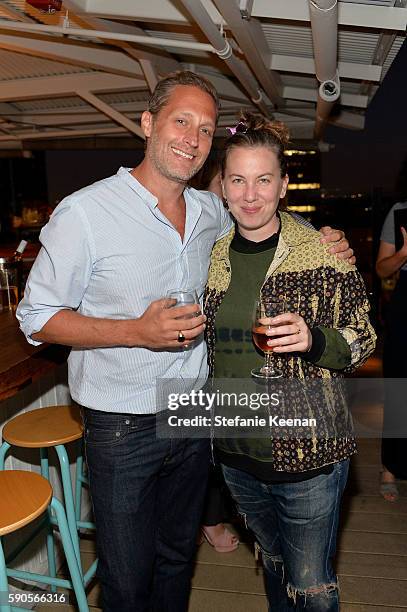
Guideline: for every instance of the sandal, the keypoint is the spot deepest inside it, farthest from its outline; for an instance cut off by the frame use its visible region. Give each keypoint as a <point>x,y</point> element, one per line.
<point>389,491</point>
<point>223,543</point>
<point>388,488</point>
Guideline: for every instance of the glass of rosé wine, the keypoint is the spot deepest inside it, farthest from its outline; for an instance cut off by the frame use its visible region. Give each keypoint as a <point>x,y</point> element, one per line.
<point>264,309</point>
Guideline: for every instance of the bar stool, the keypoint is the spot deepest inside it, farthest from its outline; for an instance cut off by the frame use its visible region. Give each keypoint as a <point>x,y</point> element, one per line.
<point>53,426</point>
<point>24,497</point>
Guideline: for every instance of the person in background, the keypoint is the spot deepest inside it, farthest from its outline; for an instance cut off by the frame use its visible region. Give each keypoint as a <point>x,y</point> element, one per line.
<point>218,506</point>
<point>208,178</point>
<point>389,262</point>
<point>288,488</point>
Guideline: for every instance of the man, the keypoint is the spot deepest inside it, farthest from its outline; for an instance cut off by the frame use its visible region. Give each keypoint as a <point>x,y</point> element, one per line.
<point>110,254</point>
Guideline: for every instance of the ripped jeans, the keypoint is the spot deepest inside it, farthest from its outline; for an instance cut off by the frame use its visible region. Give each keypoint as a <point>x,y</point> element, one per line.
<point>295,525</point>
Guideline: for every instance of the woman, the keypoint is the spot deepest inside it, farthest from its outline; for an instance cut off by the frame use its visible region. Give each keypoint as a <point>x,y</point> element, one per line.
<point>218,507</point>
<point>289,491</point>
<point>389,261</point>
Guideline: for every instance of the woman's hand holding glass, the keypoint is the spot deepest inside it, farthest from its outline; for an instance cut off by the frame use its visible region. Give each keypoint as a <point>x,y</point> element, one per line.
<point>277,331</point>
<point>288,333</point>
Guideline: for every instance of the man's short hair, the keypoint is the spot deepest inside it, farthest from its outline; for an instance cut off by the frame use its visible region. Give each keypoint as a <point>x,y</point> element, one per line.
<point>165,86</point>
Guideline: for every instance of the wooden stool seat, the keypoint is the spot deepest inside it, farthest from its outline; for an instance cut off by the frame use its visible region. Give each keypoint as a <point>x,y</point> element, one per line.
<point>44,427</point>
<point>23,497</point>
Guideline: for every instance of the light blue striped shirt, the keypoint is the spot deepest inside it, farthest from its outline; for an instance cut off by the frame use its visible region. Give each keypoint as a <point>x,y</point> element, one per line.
<point>108,252</point>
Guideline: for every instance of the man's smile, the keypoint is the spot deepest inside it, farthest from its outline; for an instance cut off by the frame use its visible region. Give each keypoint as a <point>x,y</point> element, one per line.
<point>182,153</point>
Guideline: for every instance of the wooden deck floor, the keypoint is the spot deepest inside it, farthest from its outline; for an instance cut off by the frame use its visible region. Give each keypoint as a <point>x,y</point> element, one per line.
<point>372,547</point>
<point>371,563</point>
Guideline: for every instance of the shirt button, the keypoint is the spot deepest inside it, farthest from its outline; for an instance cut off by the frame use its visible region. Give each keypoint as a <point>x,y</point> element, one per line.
<point>127,422</point>
<point>117,434</point>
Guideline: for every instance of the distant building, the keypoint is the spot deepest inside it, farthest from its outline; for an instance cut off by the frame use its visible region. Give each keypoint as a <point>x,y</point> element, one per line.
<point>304,169</point>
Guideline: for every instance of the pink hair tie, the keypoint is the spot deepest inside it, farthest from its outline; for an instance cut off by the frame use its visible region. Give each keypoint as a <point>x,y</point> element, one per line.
<point>240,128</point>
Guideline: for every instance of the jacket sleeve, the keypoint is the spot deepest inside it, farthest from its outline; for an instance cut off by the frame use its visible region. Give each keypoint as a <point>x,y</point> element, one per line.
<point>351,316</point>
<point>329,349</point>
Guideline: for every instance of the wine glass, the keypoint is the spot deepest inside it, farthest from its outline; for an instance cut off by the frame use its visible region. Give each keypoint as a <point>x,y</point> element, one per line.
<point>263,309</point>
<point>183,297</point>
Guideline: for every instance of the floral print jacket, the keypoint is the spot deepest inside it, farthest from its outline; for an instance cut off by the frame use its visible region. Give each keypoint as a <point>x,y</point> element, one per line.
<point>326,292</point>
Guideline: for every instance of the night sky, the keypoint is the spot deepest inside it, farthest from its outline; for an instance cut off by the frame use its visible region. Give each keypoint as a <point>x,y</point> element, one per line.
<point>371,159</point>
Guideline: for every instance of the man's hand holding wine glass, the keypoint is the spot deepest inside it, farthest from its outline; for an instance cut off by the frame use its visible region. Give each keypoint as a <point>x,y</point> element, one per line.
<point>161,324</point>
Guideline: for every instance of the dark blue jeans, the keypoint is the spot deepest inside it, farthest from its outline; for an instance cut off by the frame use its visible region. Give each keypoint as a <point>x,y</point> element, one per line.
<point>147,496</point>
<point>295,525</point>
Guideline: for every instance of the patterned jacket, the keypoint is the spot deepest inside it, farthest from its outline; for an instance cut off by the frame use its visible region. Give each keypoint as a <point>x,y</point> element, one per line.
<point>324,291</point>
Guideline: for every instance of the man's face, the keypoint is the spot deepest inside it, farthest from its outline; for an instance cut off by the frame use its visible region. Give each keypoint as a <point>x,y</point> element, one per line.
<point>180,135</point>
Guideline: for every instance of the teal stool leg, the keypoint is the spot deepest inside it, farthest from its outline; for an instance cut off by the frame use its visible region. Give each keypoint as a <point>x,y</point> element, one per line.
<point>44,463</point>
<point>52,569</point>
<point>4,607</point>
<point>81,481</point>
<point>3,452</point>
<point>78,482</point>
<point>70,554</point>
<point>68,496</point>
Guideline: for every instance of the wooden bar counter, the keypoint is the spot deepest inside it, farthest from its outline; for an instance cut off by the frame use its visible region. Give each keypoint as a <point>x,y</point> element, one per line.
<point>22,363</point>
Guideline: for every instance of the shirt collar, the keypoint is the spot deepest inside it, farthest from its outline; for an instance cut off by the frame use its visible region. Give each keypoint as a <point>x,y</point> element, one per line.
<point>190,195</point>
<point>243,245</point>
<point>192,200</point>
<point>133,183</point>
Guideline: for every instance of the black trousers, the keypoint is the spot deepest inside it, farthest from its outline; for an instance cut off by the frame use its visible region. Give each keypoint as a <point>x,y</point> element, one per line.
<point>147,495</point>
<point>394,450</point>
<point>219,506</point>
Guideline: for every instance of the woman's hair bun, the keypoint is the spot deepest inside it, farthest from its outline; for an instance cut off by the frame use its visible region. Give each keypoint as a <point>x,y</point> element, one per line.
<point>257,122</point>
